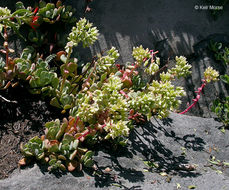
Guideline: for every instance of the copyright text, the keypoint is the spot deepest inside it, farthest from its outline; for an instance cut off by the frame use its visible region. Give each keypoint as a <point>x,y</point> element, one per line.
<point>208,7</point>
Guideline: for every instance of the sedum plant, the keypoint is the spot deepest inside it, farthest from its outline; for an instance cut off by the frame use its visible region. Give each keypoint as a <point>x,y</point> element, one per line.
<point>83,32</point>
<point>101,100</point>
<point>106,104</point>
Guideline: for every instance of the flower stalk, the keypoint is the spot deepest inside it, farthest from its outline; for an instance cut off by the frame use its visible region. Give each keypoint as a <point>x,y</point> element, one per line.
<point>195,100</point>
<point>209,75</point>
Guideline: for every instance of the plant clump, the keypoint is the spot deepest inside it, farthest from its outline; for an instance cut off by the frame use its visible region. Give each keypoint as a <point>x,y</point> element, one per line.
<point>102,100</point>
<point>221,105</point>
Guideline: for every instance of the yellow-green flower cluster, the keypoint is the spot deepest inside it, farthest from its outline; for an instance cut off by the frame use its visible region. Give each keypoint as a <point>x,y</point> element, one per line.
<point>181,69</point>
<point>83,32</point>
<point>87,109</point>
<point>166,76</point>
<point>4,12</point>
<point>142,102</point>
<point>104,63</point>
<point>158,99</point>
<point>118,106</point>
<point>153,67</point>
<point>139,54</point>
<point>117,129</point>
<point>113,83</point>
<point>166,96</point>
<point>108,98</point>
<point>148,59</point>
<point>210,74</point>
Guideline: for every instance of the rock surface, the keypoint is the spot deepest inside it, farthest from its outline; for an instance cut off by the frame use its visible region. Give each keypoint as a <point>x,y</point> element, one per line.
<point>125,24</point>
<point>173,144</point>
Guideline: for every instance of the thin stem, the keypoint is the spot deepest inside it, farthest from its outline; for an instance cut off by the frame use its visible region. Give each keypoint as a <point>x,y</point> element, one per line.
<point>65,65</point>
<point>62,84</point>
<point>6,46</point>
<point>197,97</point>
<point>83,74</point>
<point>124,94</point>
<point>6,100</point>
<point>69,55</point>
<point>89,76</point>
<point>9,17</point>
<point>85,133</point>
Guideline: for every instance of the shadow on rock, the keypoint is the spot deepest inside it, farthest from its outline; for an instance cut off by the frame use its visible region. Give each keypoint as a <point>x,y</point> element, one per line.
<point>159,149</point>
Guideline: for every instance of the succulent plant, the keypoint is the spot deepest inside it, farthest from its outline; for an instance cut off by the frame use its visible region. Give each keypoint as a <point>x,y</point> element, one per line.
<point>87,159</point>
<point>140,54</point>
<point>83,32</point>
<point>181,68</point>
<point>210,74</point>
<point>105,63</point>
<point>59,147</point>
<point>42,77</point>
<point>51,13</point>
<point>104,100</point>
<point>33,148</point>
<point>117,129</point>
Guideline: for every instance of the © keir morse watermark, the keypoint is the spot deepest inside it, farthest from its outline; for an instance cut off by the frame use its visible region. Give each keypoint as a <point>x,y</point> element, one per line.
<point>208,7</point>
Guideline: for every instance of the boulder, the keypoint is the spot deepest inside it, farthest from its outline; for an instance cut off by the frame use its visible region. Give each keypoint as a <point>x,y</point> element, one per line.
<point>163,154</point>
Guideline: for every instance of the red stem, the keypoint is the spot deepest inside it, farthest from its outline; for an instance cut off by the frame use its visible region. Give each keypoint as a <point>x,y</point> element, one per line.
<point>76,122</point>
<point>132,70</point>
<point>88,132</point>
<point>123,93</point>
<point>84,134</point>
<point>104,125</point>
<point>6,47</point>
<point>197,97</point>
<point>152,54</point>
<point>35,11</point>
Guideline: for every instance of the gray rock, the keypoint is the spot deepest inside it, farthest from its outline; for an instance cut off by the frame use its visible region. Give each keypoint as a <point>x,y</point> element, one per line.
<point>172,143</point>
<point>125,24</point>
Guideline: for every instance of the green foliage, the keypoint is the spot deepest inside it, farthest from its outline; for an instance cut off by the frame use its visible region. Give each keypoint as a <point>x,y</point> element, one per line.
<point>42,76</point>
<point>138,83</point>
<point>33,148</point>
<point>36,37</point>
<point>50,12</point>
<point>225,78</point>
<point>104,100</point>
<point>221,106</point>
<point>104,104</point>
<point>221,53</point>
<point>58,147</point>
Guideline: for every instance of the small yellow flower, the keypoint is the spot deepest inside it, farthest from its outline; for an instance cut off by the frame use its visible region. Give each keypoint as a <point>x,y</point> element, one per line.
<point>210,74</point>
